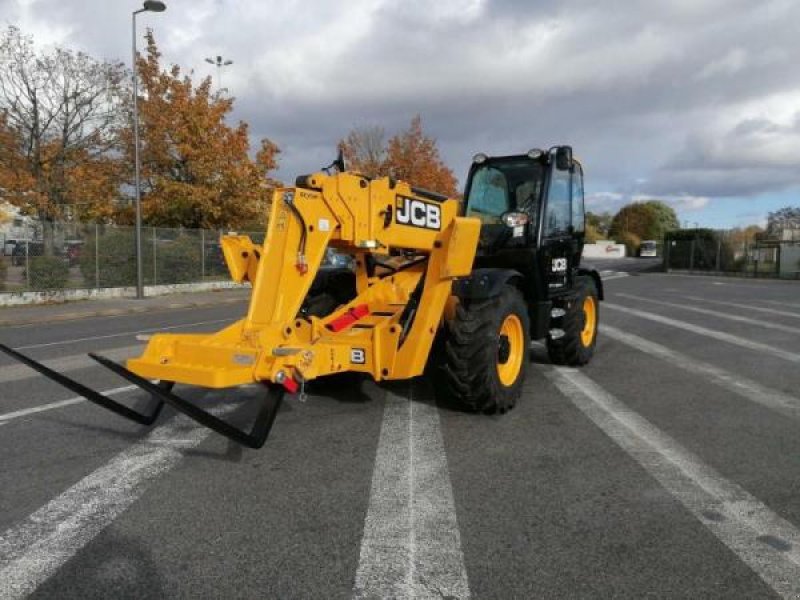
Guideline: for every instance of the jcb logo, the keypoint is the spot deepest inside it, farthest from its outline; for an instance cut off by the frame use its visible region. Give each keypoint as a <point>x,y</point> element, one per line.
<point>419,214</point>
<point>559,265</point>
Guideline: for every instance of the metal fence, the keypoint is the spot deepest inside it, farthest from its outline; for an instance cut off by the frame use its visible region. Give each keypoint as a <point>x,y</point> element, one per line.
<point>86,256</point>
<point>723,254</point>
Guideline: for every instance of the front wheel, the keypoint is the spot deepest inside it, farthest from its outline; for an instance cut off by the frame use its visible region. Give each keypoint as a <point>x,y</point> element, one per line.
<point>579,326</point>
<point>486,352</point>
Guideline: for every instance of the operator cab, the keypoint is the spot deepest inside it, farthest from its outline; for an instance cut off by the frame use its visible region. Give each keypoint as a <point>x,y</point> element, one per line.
<point>531,208</point>
<point>513,195</point>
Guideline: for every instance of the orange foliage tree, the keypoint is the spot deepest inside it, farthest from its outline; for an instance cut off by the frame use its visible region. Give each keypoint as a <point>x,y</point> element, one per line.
<point>196,169</point>
<point>410,155</point>
<point>59,155</point>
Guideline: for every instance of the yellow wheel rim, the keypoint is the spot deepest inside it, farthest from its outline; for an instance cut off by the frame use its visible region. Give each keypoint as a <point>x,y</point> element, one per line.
<point>511,350</point>
<point>589,322</point>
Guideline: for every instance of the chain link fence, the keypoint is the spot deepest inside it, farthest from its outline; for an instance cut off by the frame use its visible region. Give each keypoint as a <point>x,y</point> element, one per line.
<point>93,256</point>
<point>723,252</point>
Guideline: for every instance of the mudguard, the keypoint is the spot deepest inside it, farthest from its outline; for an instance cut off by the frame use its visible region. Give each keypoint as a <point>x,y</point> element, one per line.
<point>598,282</point>
<point>484,283</point>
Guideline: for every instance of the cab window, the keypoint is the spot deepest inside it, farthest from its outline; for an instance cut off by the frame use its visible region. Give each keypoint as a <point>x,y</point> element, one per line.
<point>488,197</point>
<point>578,218</point>
<point>559,211</point>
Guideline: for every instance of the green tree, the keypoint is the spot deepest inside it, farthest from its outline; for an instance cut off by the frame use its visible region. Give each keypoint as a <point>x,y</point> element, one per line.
<point>599,223</point>
<point>648,220</point>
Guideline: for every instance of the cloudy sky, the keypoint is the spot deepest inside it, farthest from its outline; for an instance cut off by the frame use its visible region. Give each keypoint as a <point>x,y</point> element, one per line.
<point>696,102</point>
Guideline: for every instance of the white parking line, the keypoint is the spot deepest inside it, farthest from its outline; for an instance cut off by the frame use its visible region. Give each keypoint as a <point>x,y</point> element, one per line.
<point>411,547</point>
<point>715,313</point>
<point>65,364</point>
<point>5,418</point>
<point>770,311</point>
<point>766,542</point>
<point>33,550</point>
<point>124,333</point>
<point>712,333</point>
<point>747,388</point>
<point>778,303</point>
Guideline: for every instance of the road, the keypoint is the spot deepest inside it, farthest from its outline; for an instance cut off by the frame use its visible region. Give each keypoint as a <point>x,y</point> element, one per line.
<point>668,467</point>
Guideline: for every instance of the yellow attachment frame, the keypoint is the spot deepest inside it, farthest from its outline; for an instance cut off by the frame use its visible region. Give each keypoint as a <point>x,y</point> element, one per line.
<point>357,217</point>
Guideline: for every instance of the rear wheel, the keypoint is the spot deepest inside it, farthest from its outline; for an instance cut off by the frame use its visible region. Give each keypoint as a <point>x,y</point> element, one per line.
<point>579,324</point>
<point>485,352</point>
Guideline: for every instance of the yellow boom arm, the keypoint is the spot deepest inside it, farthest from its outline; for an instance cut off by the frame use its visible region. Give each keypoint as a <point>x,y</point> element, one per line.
<point>386,330</point>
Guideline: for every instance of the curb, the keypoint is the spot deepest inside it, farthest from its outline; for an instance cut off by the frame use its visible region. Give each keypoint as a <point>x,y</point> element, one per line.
<point>115,312</point>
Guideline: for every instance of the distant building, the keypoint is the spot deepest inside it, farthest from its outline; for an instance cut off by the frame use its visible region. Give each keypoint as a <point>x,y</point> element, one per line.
<point>18,228</point>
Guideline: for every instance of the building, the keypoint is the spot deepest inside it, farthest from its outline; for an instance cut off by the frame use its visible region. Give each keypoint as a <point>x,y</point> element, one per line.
<point>17,228</point>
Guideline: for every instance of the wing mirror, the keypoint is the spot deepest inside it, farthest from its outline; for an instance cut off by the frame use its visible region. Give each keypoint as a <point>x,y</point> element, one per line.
<point>564,158</point>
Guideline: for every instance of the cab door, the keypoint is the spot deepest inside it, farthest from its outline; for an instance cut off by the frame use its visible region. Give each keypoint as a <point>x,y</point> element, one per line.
<point>562,227</point>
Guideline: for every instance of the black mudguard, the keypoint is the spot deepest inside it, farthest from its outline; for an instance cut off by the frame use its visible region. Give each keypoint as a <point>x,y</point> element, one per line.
<point>598,282</point>
<point>484,283</point>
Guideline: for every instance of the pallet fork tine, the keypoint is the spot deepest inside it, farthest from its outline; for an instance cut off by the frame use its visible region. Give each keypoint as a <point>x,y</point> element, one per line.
<point>254,439</point>
<point>162,393</point>
<point>142,418</point>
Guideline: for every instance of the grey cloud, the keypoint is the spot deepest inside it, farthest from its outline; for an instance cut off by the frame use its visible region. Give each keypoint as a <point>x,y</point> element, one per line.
<point>632,85</point>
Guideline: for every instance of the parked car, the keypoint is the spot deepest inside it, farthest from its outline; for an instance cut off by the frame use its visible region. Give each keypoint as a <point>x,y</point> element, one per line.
<point>20,250</point>
<point>72,251</point>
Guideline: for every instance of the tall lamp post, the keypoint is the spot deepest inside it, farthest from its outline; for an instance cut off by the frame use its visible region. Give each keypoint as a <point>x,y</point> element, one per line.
<point>148,6</point>
<point>219,64</point>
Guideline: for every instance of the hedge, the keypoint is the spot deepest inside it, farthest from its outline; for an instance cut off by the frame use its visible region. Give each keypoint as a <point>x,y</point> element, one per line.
<point>178,260</point>
<point>47,273</point>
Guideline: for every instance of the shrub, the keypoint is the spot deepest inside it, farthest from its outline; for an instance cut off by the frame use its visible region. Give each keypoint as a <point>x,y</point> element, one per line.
<point>3,273</point>
<point>47,273</point>
<point>177,259</point>
<point>115,260</point>
<point>631,241</point>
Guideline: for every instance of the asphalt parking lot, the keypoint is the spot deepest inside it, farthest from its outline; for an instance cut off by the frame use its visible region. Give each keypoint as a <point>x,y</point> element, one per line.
<point>668,467</point>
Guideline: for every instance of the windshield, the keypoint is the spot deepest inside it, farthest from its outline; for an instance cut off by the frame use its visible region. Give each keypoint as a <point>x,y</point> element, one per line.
<point>502,186</point>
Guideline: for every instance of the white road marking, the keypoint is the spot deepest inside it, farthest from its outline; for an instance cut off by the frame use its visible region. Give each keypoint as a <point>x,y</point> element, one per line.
<point>712,333</point>
<point>5,418</point>
<point>33,550</point>
<point>411,547</point>
<point>771,311</point>
<point>716,313</point>
<point>123,334</point>
<point>766,542</point>
<point>615,276</point>
<point>778,303</point>
<point>65,364</point>
<point>749,389</point>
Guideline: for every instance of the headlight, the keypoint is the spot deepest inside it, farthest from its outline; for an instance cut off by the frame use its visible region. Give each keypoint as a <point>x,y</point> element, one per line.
<point>288,197</point>
<point>480,158</point>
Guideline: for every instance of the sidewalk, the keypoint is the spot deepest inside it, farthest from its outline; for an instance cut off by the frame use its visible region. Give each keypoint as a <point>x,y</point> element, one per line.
<point>48,313</point>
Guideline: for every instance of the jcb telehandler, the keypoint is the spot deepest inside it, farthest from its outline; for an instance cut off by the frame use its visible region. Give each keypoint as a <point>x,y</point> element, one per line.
<point>469,283</point>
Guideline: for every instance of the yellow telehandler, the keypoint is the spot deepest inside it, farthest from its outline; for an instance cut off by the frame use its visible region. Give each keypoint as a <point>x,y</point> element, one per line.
<point>476,280</point>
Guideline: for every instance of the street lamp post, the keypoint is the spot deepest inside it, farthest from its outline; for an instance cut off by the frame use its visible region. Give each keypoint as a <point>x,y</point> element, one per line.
<point>148,6</point>
<point>219,62</point>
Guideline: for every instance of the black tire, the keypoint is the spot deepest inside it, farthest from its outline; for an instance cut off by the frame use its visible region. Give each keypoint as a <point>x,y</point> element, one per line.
<point>574,348</point>
<point>473,353</point>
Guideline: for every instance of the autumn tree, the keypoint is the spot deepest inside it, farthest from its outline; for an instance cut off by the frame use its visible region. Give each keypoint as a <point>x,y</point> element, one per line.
<point>365,151</point>
<point>410,155</point>
<point>648,220</point>
<point>196,169</point>
<point>61,116</point>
